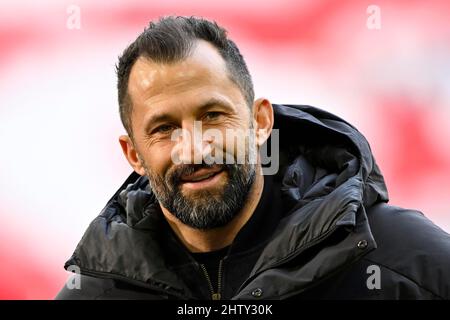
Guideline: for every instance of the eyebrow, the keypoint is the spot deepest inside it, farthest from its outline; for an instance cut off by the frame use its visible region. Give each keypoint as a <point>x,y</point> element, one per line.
<point>165,117</point>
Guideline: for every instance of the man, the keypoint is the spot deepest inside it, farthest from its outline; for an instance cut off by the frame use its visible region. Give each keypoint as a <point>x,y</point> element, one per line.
<point>185,227</point>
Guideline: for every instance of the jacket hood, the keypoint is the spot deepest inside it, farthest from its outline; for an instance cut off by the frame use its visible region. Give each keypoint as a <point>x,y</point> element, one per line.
<point>323,154</point>
<point>328,178</point>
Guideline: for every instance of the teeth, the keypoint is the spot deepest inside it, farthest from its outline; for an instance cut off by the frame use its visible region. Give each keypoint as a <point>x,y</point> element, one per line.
<point>206,176</point>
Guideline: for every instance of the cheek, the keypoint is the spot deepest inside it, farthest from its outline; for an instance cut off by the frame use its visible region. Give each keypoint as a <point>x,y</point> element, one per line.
<point>234,141</point>
<point>158,158</point>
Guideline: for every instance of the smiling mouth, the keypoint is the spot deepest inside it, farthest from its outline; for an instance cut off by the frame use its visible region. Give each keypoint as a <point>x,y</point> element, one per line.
<point>203,178</point>
<point>202,174</point>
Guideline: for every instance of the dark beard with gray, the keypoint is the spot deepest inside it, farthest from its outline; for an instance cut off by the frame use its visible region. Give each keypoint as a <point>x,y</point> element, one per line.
<point>206,210</point>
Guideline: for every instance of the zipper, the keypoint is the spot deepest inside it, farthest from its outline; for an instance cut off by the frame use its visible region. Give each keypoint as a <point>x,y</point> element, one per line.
<point>214,295</point>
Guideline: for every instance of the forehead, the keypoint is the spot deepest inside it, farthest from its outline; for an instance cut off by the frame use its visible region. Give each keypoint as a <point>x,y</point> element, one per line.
<point>203,71</point>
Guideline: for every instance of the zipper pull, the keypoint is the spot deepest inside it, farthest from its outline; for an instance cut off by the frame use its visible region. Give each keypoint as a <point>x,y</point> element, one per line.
<point>214,295</point>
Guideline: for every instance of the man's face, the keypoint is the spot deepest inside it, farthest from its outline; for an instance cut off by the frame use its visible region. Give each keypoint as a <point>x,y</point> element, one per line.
<point>170,97</point>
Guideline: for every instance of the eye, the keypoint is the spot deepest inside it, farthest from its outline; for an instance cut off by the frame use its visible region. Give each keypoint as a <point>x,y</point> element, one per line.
<point>213,115</point>
<point>165,128</point>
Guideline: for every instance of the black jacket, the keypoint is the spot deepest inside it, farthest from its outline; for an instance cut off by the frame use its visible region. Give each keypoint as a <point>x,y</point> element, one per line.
<point>333,237</point>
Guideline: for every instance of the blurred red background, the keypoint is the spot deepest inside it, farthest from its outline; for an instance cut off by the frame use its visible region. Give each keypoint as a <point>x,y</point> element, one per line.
<point>61,160</point>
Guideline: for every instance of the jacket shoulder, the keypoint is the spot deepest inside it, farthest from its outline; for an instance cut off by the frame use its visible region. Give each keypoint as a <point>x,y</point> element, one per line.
<point>411,246</point>
<point>92,288</point>
<point>84,288</point>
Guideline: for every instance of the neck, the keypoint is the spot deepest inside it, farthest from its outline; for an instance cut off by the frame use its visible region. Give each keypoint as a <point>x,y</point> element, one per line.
<point>197,240</point>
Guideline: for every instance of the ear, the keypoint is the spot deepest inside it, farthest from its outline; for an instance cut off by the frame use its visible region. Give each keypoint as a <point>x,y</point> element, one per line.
<point>263,120</point>
<point>131,154</point>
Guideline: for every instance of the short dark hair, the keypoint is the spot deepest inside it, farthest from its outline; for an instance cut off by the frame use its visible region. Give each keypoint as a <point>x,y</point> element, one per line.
<point>171,39</point>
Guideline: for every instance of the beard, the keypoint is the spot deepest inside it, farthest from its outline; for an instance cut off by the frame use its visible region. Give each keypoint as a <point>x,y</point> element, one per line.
<point>203,209</point>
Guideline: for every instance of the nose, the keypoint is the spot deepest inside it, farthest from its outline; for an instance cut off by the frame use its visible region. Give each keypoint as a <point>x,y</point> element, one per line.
<point>191,145</point>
